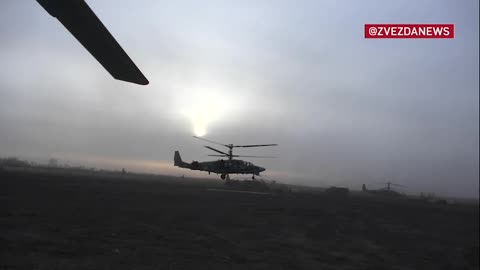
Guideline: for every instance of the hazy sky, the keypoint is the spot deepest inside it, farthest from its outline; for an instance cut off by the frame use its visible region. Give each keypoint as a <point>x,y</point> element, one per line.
<point>345,110</point>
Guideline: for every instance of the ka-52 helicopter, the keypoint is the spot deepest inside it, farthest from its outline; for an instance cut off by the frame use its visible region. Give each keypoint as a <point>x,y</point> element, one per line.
<point>388,190</point>
<point>224,167</point>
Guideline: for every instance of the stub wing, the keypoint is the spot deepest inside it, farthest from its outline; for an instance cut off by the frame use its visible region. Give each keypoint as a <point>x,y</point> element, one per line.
<point>85,26</point>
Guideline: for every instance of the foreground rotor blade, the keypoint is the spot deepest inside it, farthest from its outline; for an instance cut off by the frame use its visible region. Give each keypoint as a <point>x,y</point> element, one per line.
<point>85,26</point>
<point>218,151</point>
<point>255,145</point>
<point>210,141</point>
<point>218,155</point>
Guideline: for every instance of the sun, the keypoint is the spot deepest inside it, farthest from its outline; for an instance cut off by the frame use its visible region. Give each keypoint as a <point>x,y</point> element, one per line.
<point>200,121</point>
<point>200,130</point>
<point>205,107</point>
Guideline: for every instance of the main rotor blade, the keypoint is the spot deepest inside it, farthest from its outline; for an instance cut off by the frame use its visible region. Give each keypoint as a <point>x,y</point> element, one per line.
<point>242,156</point>
<point>255,145</point>
<point>210,141</point>
<point>392,184</point>
<point>87,28</point>
<point>256,156</point>
<point>218,151</point>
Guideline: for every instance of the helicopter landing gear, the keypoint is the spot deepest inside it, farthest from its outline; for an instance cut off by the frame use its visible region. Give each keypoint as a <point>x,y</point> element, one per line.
<point>253,177</point>
<point>223,176</point>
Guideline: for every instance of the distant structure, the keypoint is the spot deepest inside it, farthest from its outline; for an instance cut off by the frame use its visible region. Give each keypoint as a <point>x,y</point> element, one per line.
<point>53,163</point>
<point>251,185</point>
<point>432,198</point>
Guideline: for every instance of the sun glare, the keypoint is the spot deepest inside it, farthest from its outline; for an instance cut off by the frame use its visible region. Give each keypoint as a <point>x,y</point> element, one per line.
<point>200,130</point>
<point>203,108</point>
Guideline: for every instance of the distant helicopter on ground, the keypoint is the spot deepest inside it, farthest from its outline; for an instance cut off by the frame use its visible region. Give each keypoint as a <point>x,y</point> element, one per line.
<point>224,167</point>
<point>388,190</point>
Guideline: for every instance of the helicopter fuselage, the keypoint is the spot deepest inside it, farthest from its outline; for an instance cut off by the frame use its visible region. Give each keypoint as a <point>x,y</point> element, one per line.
<point>223,167</point>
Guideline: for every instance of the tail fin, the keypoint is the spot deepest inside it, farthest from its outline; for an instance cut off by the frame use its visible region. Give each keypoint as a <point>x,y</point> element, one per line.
<point>177,159</point>
<point>179,162</point>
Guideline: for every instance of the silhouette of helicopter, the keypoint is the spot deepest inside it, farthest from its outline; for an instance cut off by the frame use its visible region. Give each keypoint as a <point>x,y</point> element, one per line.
<point>87,28</point>
<point>388,190</point>
<point>224,167</point>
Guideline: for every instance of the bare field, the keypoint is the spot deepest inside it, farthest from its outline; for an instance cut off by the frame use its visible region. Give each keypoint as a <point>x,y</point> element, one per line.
<point>69,221</point>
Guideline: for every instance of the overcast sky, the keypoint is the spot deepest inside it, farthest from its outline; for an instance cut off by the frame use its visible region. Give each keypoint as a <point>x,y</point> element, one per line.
<point>344,110</point>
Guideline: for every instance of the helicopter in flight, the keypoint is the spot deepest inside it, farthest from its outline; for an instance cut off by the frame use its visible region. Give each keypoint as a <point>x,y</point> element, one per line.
<point>224,167</point>
<point>388,190</point>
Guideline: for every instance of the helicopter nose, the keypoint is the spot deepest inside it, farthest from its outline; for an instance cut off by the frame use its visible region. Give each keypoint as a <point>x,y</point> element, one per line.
<point>261,169</point>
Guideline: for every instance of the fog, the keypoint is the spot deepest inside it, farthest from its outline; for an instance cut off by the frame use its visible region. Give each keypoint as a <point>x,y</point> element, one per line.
<point>344,110</point>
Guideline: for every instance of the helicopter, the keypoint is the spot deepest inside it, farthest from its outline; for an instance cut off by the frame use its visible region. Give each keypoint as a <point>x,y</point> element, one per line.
<point>224,167</point>
<point>388,190</point>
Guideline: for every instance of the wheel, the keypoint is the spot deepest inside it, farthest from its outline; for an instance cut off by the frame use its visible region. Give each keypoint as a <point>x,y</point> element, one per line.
<point>253,177</point>
<point>222,176</point>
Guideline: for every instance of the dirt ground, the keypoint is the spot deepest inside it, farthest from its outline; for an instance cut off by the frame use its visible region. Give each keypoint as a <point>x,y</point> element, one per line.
<point>62,221</point>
